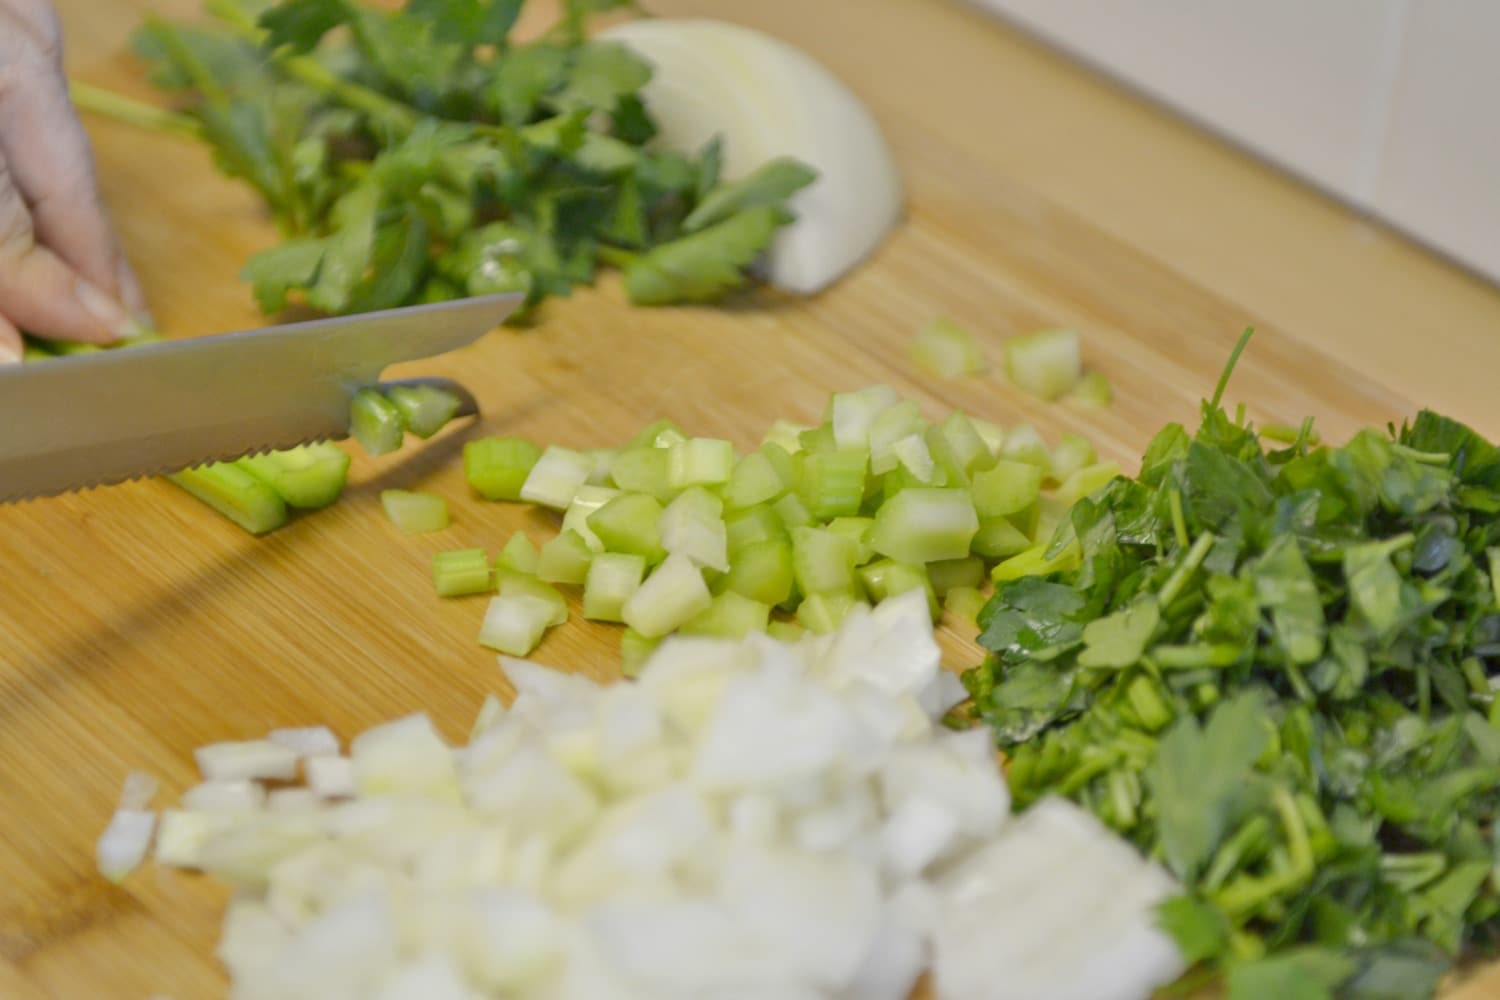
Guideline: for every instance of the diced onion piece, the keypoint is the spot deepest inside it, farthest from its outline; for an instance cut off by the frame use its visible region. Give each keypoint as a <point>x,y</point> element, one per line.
<point>331,777</point>
<point>250,760</point>
<point>125,842</point>
<point>138,790</point>
<point>237,795</point>
<point>556,478</point>
<point>292,800</point>
<point>497,468</point>
<point>947,349</point>
<point>1047,364</point>
<point>375,422</point>
<point>515,624</point>
<point>670,596</point>
<point>404,757</point>
<point>461,572</point>
<point>415,513</point>
<point>925,525</point>
<point>181,834</point>
<point>307,741</point>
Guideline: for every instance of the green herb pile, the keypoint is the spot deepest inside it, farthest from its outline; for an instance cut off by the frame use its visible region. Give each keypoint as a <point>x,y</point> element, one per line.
<point>421,154</point>
<point>1274,670</point>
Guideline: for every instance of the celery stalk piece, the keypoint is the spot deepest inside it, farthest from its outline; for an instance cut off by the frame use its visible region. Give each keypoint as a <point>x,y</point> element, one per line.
<point>991,433</point>
<point>965,603</point>
<point>564,559</point>
<point>925,525</point>
<point>497,467</point>
<point>309,477</point>
<point>515,625</point>
<point>1024,444</point>
<point>425,408</point>
<point>887,578</point>
<point>788,466</point>
<point>635,650</point>
<point>699,462</point>
<point>912,454</point>
<point>375,422</point>
<point>786,435</point>
<point>754,480</point>
<point>34,350</point>
<point>1091,392</point>
<point>966,444</point>
<point>1046,364</point>
<point>628,523</point>
<point>526,585</point>
<point>612,578</point>
<point>816,440</point>
<point>761,571</point>
<point>761,523</point>
<point>824,613</point>
<point>236,494</point>
<point>67,348</point>
<point>823,561</point>
<point>588,500</point>
<point>461,572</point>
<point>1035,562</point>
<point>603,460</point>
<point>730,616</point>
<point>673,594</point>
<point>1005,488</point>
<point>950,468</point>
<point>852,414</point>
<point>556,478</point>
<point>896,424</point>
<point>661,434</point>
<point>947,574</point>
<point>1073,452</point>
<point>785,631</point>
<point>415,513</point>
<point>833,482</point>
<point>792,511</point>
<point>1086,481</point>
<point>947,349</point>
<point>999,538</point>
<point>642,470</point>
<point>857,530</point>
<point>518,554</point>
<point>693,526</point>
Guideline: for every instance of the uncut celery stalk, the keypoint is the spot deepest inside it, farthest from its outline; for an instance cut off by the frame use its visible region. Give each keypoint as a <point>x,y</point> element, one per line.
<point>425,408</point>
<point>612,578</point>
<point>730,616</point>
<point>375,422</point>
<point>236,494</point>
<point>925,525</point>
<point>497,467</point>
<point>415,513</point>
<point>308,477</point>
<point>460,572</point>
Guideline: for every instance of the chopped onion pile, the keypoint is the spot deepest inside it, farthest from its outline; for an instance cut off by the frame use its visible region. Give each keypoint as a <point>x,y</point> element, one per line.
<point>673,533</point>
<point>751,819</point>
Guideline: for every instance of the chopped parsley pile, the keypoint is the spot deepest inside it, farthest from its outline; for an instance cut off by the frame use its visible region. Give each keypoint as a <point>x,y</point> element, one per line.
<point>422,154</point>
<point>1274,669</point>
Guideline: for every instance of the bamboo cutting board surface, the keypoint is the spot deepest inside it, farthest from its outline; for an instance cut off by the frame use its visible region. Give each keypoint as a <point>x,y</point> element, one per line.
<point>136,625</point>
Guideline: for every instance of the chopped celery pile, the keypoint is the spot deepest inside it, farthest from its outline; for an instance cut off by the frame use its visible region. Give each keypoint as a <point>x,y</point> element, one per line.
<point>676,533</point>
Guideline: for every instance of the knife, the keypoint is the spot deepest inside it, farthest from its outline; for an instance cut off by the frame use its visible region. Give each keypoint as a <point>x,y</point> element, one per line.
<point>83,420</point>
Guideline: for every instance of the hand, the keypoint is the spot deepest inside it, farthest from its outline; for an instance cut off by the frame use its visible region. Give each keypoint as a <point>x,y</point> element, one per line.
<point>62,274</point>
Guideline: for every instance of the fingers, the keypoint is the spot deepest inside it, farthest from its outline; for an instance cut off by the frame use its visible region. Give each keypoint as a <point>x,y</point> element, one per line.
<point>41,293</point>
<point>49,154</point>
<point>10,344</point>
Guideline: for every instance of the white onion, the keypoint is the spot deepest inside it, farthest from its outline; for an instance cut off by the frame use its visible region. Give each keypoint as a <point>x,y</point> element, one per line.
<point>768,99</point>
<point>307,741</point>
<point>138,790</point>
<point>124,843</point>
<point>258,760</point>
<point>239,795</point>
<point>331,777</point>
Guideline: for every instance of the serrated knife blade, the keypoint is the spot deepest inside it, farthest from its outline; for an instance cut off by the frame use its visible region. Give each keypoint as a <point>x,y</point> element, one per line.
<point>86,420</point>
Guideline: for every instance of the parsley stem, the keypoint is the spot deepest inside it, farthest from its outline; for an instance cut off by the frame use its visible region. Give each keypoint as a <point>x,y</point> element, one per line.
<point>1189,564</point>
<point>1179,522</point>
<point>107,103</point>
<point>1234,357</point>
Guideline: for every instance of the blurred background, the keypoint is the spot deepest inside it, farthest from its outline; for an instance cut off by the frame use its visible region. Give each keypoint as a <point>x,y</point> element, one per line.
<point>1392,105</point>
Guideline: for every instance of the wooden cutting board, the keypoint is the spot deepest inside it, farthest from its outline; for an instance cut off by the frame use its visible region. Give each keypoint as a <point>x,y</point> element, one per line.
<point>136,625</point>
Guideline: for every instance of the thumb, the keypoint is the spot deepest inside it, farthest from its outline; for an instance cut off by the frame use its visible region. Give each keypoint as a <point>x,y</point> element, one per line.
<point>40,293</point>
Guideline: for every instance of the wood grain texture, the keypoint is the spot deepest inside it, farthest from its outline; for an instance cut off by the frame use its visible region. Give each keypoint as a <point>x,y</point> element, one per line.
<point>136,625</point>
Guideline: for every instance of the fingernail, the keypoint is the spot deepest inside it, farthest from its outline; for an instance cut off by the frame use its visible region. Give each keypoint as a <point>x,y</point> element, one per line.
<point>110,314</point>
<point>9,354</point>
<point>130,291</point>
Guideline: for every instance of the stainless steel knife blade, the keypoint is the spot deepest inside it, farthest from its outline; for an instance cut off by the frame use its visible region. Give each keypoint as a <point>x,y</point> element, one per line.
<point>94,419</point>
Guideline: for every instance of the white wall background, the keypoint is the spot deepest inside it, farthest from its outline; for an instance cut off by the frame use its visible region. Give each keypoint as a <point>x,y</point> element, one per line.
<point>1392,104</point>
